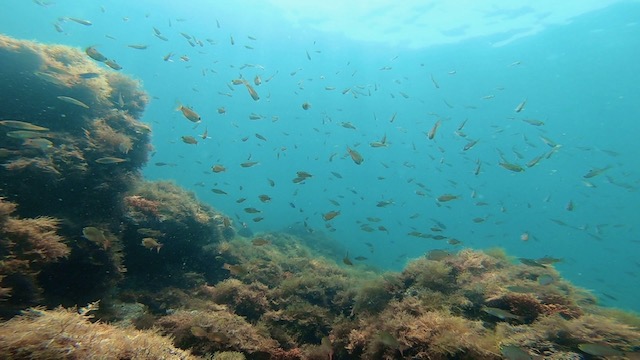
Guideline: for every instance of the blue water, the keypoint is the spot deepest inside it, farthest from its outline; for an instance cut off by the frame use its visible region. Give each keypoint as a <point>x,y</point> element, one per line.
<point>580,77</point>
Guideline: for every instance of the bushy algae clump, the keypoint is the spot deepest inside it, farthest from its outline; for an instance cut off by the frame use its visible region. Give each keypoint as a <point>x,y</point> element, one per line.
<point>69,334</point>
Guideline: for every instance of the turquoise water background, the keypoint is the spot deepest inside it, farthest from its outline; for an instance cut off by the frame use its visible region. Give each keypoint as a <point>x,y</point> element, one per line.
<point>579,76</point>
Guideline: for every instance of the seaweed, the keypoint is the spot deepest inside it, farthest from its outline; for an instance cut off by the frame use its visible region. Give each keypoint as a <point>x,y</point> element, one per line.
<point>26,247</point>
<point>69,334</point>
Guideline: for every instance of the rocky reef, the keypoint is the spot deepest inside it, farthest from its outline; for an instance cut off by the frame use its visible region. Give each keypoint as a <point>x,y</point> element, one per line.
<point>78,224</point>
<point>75,209</point>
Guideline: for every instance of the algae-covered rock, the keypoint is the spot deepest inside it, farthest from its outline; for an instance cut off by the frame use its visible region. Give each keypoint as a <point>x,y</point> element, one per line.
<point>71,148</point>
<point>93,144</point>
<point>68,334</point>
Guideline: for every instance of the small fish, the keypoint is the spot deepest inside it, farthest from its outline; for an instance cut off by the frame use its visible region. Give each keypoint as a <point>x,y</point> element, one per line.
<point>531,262</point>
<point>235,269</point>
<point>189,140</point>
<point>261,137</point>
<point>595,172</point>
<point>469,145</point>
<point>189,114</point>
<point>218,191</point>
<point>330,215</point>
<point>110,160</point>
<point>360,258</point>
<point>38,143</point>
<point>96,235</point>
<point>437,255</point>
<point>306,106</point>
<point>113,64</point>
<point>89,75</point>
<point>151,243</point>
<point>432,133</point>
<point>251,210</point>
<point>549,142</point>
<point>346,260</point>
<point>249,164</point>
<point>260,242</point>
<point>93,53</point>
<point>548,260</point>
<point>501,314</point>
<point>73,101</point>
<point>241,200</point>
<point>80,21</point>
<point>167,57</point>
<point>533,122</point>
<point>535,160</point>
<point>461,126</point>
<point>511,166</point>
<point>347,125</point>
<point>521,106</point>
<point>435,83</point>
<point>384,203</point>
<point>447,197</point>
<point>258,219</point>
<point>150,232</point>
<point>252,92</point>
<point>138,46</point>
<point>355,156</point>
<point>264,198</point>
<point>478,167</point>
<point>570,206</point>
<point>205,134</point>
<point>298,180</point>
<point>381,143</point>
<point>257,80</point>
<point>22,125</point>
<point>218,168</point>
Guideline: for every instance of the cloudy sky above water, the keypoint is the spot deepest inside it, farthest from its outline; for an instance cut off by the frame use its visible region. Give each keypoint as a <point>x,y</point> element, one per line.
<point>421,23</point>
